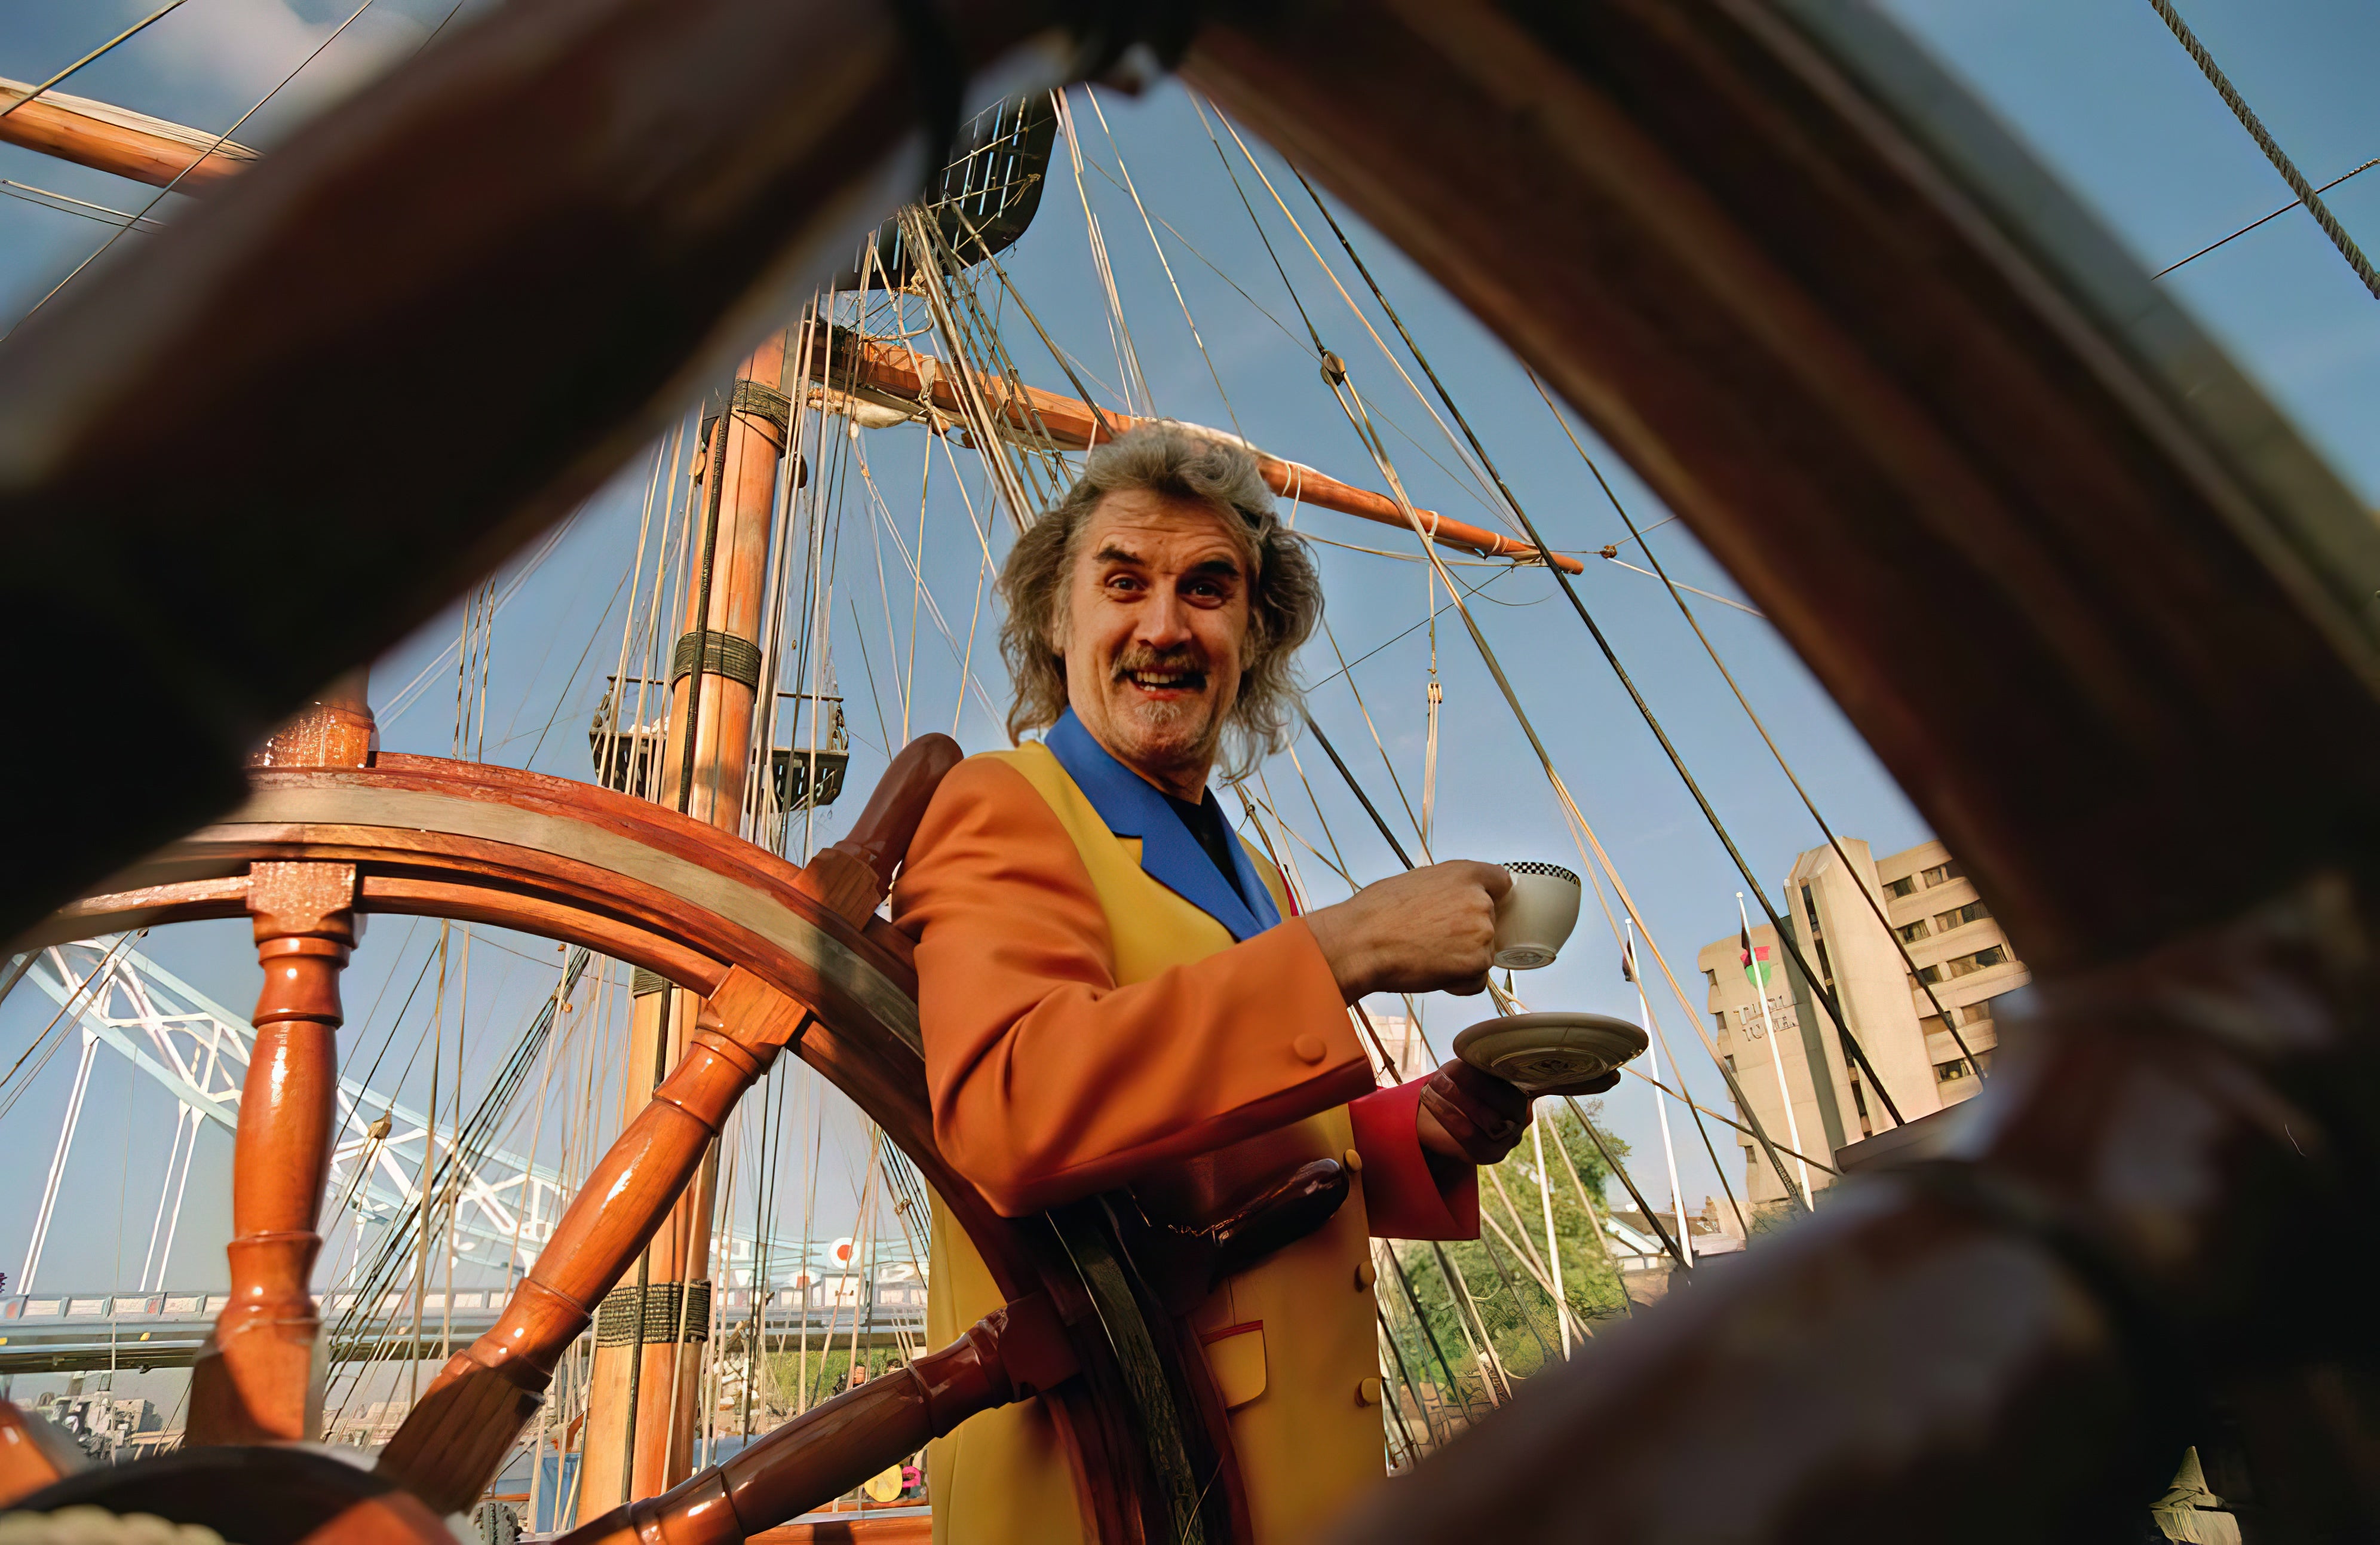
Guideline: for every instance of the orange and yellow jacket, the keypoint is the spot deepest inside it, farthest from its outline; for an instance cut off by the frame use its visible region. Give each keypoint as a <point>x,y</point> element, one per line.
<point>1101,1007</point>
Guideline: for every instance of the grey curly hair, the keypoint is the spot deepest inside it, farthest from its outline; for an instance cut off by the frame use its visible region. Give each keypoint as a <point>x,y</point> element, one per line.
<point>1285,590</point>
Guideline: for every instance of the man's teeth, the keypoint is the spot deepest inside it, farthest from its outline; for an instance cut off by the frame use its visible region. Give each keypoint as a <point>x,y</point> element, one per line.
<point>1164,678</point>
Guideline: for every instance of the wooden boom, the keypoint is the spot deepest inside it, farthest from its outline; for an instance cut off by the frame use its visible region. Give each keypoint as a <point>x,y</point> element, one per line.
<point>901,377</point>
<point>191,161</point>
<point>120,141</point>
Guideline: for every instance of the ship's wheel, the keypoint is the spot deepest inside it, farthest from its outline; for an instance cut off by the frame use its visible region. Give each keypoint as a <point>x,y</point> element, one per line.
<point>2109,621</point>
<point>785,960</point>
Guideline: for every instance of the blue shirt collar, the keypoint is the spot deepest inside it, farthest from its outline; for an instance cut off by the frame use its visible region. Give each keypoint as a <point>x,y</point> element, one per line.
<point>1132,807</point>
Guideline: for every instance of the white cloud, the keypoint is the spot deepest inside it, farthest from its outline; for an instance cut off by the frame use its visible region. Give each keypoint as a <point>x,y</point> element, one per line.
<point>233,52</point>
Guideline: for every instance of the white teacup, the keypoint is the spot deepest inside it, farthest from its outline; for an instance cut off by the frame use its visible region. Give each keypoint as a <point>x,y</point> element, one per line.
<point>1534,919</point>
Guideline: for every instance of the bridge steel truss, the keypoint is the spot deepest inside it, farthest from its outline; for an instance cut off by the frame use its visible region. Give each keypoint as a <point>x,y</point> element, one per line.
<point>198,1052</point>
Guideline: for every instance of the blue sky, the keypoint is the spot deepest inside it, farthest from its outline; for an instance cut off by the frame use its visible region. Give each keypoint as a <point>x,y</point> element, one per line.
<point>2097,87</point>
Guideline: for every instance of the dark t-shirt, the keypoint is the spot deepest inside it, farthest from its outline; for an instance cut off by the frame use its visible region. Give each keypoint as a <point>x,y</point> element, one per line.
<point>1205,820</point>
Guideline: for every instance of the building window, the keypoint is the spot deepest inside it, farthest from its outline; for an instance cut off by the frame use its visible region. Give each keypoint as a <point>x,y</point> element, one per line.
<point>1929,975</point>
<point>1719,1017</point>
<point>1942,874</point>
<point>1949,1072</point>
<point>1980,960</point>
<point>1712,977</point>
<point>1973,911</point>
<point>1914,932</point>
<point>1929,1023</point>
<point>1730,1060</point>
<point>1904,886</point>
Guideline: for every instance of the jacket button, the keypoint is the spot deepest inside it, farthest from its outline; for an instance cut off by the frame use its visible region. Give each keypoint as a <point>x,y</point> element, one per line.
<point>1309,1048</point>
<point>1368,1393</point>
<point>1367,1274</point>
<point>1352,1162</point>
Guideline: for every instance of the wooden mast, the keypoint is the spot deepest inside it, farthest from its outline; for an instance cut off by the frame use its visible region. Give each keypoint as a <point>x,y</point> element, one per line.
<point>646,1376</point>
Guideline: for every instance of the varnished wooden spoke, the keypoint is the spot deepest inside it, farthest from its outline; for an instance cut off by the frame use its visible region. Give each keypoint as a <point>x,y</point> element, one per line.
<point>33,1453</point>
<point>451,1444</point>
<point>1012,1355</point>
<point>259,1377</point>
<point>765,943</point>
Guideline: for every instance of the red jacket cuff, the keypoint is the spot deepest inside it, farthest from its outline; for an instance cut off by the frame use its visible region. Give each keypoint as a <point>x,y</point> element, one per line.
<point>1401,1194</point>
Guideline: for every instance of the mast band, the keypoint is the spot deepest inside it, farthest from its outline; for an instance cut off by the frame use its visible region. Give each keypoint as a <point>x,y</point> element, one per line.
<point>616,1317</point>
<point>721,653</point>
<point>759,400</point>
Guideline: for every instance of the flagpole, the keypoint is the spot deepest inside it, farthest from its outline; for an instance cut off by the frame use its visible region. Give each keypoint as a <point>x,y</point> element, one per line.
<point>1775,1052</point>
<point>1660,1109</point>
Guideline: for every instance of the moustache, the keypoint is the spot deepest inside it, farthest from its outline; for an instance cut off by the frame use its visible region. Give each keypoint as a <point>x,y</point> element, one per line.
<point>1188,665</point>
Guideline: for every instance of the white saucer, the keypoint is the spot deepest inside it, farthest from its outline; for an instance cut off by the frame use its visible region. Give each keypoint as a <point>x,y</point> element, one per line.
<point>1550,1053</point>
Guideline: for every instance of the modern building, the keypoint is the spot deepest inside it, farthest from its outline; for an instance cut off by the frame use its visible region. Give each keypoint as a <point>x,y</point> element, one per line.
<point>1647,1268</point>
<point>106,1428</point>
<point>1914,1048</point>
<point>1407,1051</point>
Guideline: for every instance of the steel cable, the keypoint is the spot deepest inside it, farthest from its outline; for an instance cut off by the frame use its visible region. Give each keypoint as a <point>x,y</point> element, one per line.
<point>2306,192</point>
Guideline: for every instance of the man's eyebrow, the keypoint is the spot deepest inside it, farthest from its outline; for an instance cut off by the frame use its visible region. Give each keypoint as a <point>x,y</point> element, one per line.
<point>1230,567</point>
<point>1114,554</point>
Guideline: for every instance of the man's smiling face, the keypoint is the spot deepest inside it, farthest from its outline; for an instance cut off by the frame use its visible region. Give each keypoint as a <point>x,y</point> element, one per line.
<point>1155,630</point>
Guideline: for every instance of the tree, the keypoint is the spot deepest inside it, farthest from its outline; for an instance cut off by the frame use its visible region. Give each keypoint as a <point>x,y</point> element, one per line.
<point>1504,1292</point>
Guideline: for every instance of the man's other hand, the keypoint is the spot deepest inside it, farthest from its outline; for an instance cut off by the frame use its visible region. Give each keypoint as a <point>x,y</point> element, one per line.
<point>1428,931</point>
<point>1470,1115</point>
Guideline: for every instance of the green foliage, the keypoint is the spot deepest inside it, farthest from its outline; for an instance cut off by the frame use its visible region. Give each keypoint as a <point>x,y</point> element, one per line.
<point>1519,1317</point>
<point>830,1371</point>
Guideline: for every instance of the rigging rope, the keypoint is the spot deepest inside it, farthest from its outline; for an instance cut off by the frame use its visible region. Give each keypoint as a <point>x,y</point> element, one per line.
<point>2254,223</point>
<point>1118,331</point>
<point>1321,351</point>
<point>44,199</point>
<point>1092,96</point>
<point>1352,405</point>
<point>1458,1289</point>
<point>1360,420</point>
<point>2307,194</point>
<point>1470,468</point>
<point>1809,804</point>
<point>43,90</point>
<point>1421,832</point>
<point>990,443</point>
<point>196,162</point>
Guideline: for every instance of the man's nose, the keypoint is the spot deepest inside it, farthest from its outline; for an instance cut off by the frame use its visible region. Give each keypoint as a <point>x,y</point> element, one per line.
<point>1165,622</point>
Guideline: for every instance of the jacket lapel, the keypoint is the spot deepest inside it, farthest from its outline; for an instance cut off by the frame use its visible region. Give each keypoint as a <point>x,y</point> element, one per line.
<point>1169,854</point>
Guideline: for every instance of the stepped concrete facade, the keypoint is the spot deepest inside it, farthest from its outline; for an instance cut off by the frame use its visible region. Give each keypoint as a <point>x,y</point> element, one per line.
<point>1959,953</point>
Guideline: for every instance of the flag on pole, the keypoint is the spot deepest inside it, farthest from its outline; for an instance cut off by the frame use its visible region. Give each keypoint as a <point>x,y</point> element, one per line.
<point>1628,960</point>
<point>1757,969</point>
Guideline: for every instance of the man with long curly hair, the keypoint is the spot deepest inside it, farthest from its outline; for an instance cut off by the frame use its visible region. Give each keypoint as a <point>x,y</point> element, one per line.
<point>1114,991</point>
